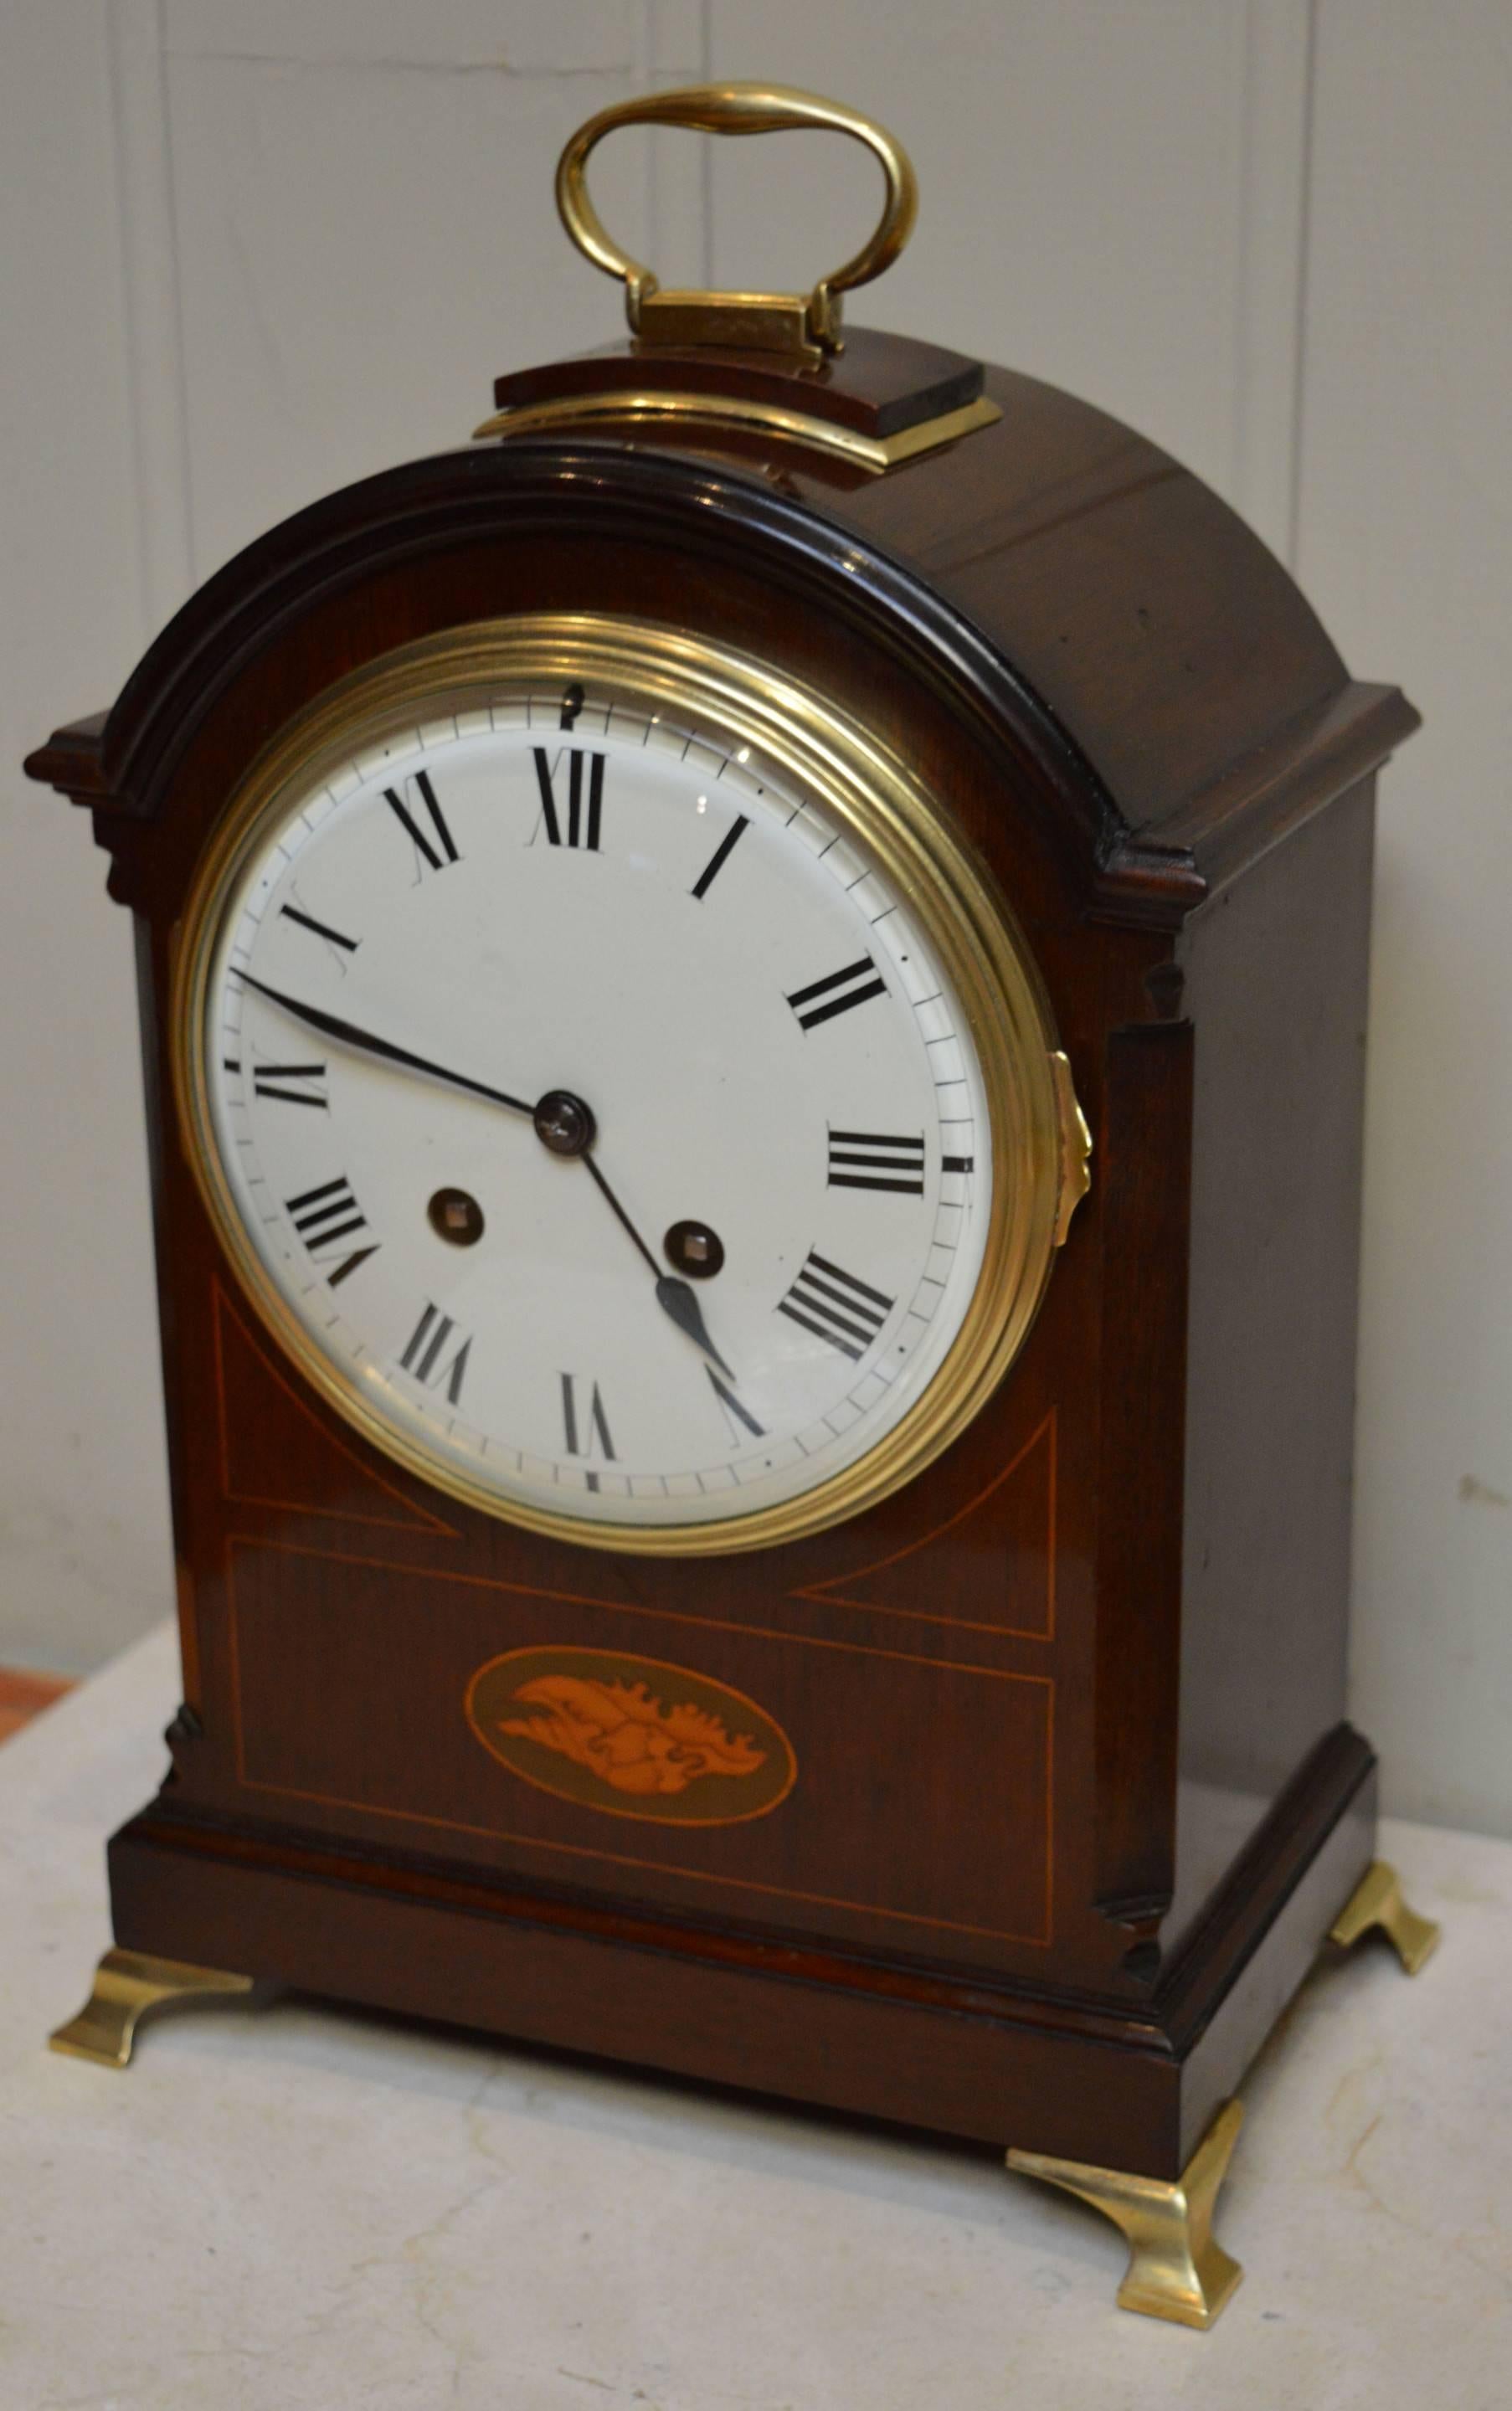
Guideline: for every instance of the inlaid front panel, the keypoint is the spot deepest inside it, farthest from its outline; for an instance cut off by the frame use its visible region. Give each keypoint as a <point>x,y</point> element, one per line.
<point>815,1786</point>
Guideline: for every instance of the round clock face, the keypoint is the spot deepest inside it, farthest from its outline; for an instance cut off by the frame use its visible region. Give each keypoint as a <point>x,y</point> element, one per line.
<point>593,1104</point>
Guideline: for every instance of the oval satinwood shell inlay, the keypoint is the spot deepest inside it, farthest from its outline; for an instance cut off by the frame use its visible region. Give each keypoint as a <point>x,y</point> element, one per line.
<point>630,1735</point>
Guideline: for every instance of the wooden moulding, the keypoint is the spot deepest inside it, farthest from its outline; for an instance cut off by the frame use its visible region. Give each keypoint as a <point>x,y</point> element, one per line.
<point>1164,786</point>
<point>988,2062</point>
<point>878,386</point>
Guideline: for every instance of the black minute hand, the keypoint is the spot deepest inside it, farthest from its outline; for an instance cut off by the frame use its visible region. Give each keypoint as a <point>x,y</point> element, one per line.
<point>332,1026</point>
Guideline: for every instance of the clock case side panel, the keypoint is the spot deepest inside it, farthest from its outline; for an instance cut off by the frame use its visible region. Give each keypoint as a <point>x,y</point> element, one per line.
<point>1233,759</point>
<point>1276,974</point>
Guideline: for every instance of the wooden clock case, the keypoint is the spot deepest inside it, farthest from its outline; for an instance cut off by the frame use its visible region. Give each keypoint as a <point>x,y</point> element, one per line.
<point>1077,1800</point>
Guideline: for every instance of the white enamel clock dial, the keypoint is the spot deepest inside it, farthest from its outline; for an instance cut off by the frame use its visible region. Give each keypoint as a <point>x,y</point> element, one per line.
<point>600,1116</point>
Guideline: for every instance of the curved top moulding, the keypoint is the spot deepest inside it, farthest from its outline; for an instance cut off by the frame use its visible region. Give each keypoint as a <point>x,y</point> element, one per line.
<point>1148,622</point>
<point>1074,588</point>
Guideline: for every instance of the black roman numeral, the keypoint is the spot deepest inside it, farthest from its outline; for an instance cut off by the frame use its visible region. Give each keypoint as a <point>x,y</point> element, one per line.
<point>274,1079</point>
<point>824,997</point>
<point>428,1344</point>
<point>425,847</point>
<point>321,929</point>
<point>584,1432</point>
<point>720,857</point>
<point>327,1213</point>
<point>734,1414</point>
<point>867,1159</point>
<point>835,1306</point>
<point>323,1218</point>
<point>584,822</point>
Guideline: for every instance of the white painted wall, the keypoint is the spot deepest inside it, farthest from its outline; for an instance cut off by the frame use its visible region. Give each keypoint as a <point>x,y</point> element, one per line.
<point>253,248</point>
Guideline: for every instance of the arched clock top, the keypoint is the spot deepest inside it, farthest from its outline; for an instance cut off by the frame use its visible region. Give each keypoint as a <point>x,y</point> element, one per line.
<point>1153,682</point>
<point>1149,625</point>
<point>463,514</point>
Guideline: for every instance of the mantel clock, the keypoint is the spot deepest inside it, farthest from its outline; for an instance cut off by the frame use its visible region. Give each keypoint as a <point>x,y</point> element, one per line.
<point>752,991</point>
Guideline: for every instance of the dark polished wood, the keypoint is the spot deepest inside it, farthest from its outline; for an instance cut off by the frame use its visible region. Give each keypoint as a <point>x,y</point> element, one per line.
<point>971,2059</point>
<point>1088,1666</point>
<point>878,386</point>
<point>1147,1145</point>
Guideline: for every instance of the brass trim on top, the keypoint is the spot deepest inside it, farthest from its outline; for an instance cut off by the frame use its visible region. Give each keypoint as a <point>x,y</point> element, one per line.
<point>802,326</point>
<point>741,414</point>
<point>873,795</point>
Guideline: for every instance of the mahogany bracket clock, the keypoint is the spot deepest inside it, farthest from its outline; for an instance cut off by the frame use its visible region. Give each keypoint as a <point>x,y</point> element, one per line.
<point>752,992</point>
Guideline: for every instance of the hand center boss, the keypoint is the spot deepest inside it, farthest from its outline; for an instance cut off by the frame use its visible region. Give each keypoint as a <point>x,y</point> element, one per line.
<point>563,1123</point>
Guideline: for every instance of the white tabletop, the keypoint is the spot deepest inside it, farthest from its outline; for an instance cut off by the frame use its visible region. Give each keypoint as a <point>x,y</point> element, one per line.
<point>304,2209</point>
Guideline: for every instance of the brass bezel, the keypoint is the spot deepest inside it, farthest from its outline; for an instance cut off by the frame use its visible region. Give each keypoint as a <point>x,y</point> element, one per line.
<point>871,794</point>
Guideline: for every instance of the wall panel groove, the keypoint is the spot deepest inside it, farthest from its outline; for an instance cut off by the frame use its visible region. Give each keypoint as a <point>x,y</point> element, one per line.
<point>147,233</point>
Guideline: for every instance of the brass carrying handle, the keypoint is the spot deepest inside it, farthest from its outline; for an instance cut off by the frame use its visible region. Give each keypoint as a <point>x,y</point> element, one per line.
<point>787,322</point>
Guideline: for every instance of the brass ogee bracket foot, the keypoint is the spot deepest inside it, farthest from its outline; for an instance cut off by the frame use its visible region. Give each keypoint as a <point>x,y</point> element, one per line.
<point>1176,2271</point>
<point>1377,1901</point>
<point>128,1983</point>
